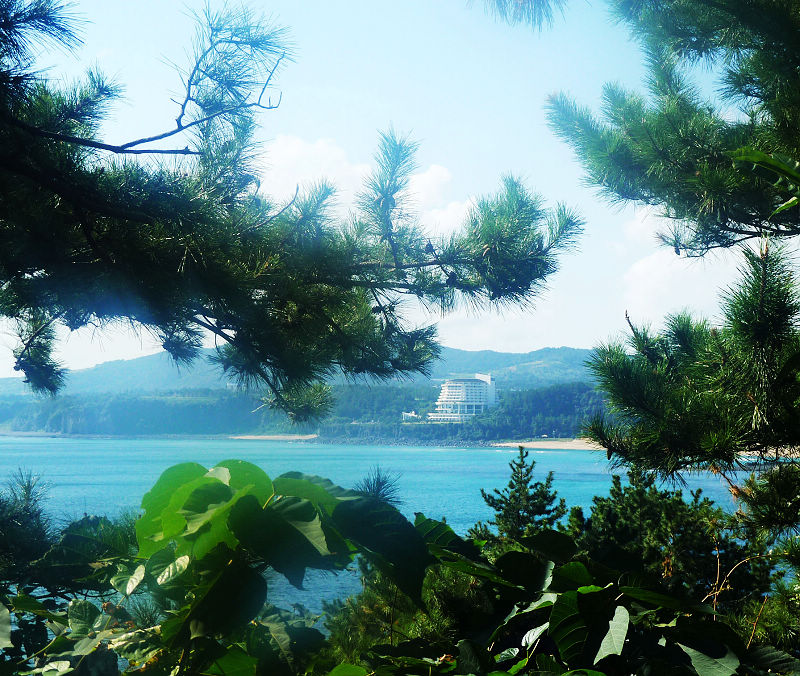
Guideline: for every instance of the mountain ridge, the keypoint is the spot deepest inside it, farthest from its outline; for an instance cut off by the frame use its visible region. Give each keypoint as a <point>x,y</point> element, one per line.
<point>157,373</point>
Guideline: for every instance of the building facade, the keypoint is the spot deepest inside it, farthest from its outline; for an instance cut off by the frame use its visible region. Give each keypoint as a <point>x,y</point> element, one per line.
<point>463,398</point>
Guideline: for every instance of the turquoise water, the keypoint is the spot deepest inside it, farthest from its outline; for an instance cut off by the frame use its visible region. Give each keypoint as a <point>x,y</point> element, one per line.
<point>106,475</point>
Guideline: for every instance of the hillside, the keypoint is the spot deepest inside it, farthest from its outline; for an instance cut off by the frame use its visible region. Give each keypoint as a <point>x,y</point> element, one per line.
<point>361,414</point>
<point>156,373</point>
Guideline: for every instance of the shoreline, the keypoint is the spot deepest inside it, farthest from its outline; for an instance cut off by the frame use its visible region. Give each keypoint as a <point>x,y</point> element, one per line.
<point>275,437</point>
<point>552,444</point>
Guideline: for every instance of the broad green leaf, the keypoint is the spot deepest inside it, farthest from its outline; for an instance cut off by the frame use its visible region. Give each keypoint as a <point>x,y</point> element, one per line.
<point>519,666</point>
<point>772,659</point>
<point>782,167</point>
<point>280,635</point>
<point>202,503</point>
<point>788,204</point>
<point>299,485</point>
<point>567,627</point>
<point>156,500</point>
<point>159,561</point>
<point>247,475</point>
<point>507,654</point>
<point>173,570</point>
<point>300,514</point>
<point>525,570</point>
<point>521,618</point>
<point>659,599</point>
<point>463,564</point>
<point>235,662</point>
<point>126,583</point>
<point>5,627</point>
<point>223,604</point>
<point>87,645</point>
<point>556,546</point>
<point>266,534</point>
<point>387,537</point>
<point>22,603</point>
<point>720,662</point>
<point>591,589</point>
<point>530,638</point>
<point>173,521</point>
<point>323,493</point>
<point>137,646</point>
<point>347,670</point>
<point>220,474</point>
<point>440,534</point>
<point>570,576</point>
<point>216,531</point>
<point>614,640</point>
<point>82,616</point>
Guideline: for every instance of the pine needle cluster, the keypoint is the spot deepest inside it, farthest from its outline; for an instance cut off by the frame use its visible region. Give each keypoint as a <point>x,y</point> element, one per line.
<point>673,148</point>
<point>173,233</point>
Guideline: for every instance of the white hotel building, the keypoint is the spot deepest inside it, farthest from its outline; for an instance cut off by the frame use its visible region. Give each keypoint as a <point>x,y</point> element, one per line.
<point>463,398</point>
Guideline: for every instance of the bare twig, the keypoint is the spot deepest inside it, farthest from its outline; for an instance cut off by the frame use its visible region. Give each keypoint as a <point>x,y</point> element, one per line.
<point>131,147</point>
<point>278,214</point>
<point>755,622</point>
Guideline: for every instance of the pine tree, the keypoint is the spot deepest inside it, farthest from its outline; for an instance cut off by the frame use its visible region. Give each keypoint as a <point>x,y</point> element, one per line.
<point>524,507</point>
<point>716,398</point>
<point>675,149</point>
<point>173,233</point>
<point>686,543</point>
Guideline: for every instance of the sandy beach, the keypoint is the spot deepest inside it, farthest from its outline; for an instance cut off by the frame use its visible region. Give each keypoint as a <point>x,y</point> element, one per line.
<point>276,437</point>
<point>555,444</point>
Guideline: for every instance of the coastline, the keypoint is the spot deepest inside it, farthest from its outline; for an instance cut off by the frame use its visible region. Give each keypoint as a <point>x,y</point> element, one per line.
<point>534,444</point>
<point>553,444</point>
<point>275,437</point>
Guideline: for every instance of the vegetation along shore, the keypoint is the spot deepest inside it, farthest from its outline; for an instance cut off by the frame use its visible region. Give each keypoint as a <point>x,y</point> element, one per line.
<point>172,225</point>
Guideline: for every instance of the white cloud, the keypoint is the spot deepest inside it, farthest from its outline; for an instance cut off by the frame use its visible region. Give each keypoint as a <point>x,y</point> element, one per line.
<point>428,187</point>
<point>663,283</point>
<point>643,227</point>
<point>447,219</point>
<point>291,161</point>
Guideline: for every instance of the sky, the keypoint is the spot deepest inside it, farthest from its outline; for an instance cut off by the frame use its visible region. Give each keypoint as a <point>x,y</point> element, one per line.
<point>470,90</point>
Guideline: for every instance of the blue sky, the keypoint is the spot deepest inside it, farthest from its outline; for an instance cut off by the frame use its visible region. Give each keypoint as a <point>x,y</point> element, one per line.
<point>471,91</point>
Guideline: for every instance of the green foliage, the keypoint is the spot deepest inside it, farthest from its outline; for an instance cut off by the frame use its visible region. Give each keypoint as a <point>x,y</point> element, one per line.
<point>205,539</point>
<point>673,148</point>
<point>535,13</point>
<point>432,603</point>
<point>557,410</point>
<point>380,485</point>
<point>720,399</point>
<point>689,545</point>
<point>524,508</point>
<point>25,530</point>
<point>292,294</point>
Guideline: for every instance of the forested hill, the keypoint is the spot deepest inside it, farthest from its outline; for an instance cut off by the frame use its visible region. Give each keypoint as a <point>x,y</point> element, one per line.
<point>156,373</point>
<point>361,414</point>
<point>542,392</point>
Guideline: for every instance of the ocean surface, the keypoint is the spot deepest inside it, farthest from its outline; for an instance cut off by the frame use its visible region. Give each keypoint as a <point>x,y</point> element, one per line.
<point>107,475</point>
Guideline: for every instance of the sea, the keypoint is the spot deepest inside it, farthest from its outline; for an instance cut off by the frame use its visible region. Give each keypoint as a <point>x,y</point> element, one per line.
<point>104,476</point>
